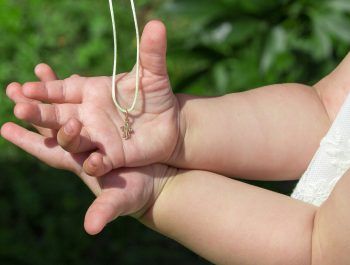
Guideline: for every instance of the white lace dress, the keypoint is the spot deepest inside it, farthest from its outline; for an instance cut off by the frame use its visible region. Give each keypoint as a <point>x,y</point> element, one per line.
<point>330,162</point>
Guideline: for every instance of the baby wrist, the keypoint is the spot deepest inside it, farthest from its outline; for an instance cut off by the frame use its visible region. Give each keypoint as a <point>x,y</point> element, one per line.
<point>161,182</point>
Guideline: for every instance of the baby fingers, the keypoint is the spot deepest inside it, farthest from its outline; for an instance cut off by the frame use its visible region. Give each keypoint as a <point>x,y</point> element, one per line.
<point>103,210</point>
<point>45,115</point>
<point>73,138</point>
<point>97,165</point>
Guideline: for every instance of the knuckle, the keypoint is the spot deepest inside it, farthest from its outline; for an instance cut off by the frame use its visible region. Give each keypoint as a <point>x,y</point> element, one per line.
<point>74,76</point>
<point>65,83</point>
<point>57,112</point>
<point>94,81</point>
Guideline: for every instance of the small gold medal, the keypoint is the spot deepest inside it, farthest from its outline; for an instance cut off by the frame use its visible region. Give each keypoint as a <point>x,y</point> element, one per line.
<point>126,129</point>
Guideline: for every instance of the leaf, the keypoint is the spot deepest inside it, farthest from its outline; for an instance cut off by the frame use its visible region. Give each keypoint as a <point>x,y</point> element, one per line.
<point>276,44</point>
<point>203,10</point>
<point>321,44</point>
<point>338,25</point>
<point>339,5</point>
<point>221,77</point>
<point>245,29</point>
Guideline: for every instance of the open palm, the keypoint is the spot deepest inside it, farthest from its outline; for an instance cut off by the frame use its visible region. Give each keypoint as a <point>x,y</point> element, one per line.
<point>155,120</point>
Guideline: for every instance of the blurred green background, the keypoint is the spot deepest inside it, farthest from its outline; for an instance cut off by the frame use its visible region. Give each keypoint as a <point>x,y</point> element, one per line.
<point>215,47</point>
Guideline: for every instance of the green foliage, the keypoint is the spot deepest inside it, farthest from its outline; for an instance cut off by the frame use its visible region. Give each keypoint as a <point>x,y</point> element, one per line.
<point>233,45</point>
<point>215,47</point>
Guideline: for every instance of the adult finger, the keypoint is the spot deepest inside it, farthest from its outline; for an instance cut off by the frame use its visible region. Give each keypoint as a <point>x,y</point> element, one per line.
<point>153,48</point>
<point>14,92</point>
<point>51,116</point>
<point>73,138</point>
<point>69,90</point>
<point>48,151</point>
<point>43,148</point>
<point>45,73</point>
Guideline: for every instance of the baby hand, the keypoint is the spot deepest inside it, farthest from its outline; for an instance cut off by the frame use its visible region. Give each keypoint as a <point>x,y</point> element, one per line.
<point>120,192</point>
<point>155,120</point>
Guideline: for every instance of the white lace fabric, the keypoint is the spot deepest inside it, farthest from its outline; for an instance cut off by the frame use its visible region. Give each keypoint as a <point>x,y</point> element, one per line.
<point>330,162</point>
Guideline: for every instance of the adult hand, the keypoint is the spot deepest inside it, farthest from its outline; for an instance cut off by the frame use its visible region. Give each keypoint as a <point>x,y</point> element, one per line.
<point>88,100</point>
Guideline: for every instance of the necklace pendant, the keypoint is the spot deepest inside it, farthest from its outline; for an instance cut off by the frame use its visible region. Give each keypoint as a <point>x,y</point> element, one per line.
<point>126,129</point>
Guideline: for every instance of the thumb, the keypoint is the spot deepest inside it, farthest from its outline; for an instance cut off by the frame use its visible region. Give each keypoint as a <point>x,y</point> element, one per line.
<point>106,207</point>
<point>153,48</point>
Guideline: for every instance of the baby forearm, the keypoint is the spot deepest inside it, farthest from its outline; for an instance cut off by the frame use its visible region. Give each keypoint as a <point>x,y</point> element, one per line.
<point>229,222</point>
<point>331,237</point>
<point>255,134</point>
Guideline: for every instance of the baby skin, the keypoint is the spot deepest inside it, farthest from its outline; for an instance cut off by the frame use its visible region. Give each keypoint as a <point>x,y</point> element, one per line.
<point>268,133</point>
